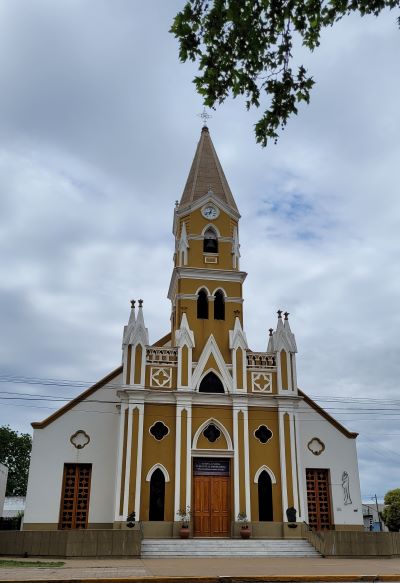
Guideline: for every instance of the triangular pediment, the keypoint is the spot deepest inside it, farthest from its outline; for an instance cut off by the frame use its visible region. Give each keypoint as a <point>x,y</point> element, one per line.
<point>211,359</point>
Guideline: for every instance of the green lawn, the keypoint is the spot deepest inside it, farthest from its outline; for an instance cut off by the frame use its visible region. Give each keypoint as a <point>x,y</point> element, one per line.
<point>11,563</point>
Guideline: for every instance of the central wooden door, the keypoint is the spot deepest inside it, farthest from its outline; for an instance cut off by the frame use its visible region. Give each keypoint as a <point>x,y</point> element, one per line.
<point>211,506</point>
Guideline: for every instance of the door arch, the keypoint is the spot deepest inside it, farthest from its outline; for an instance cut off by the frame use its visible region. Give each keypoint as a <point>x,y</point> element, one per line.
<point>265,507</point>
<point>157,495</point>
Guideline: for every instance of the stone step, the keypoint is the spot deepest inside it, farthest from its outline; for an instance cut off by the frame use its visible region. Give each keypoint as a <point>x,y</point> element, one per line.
<point>224,542</point>
<point>153,548</point>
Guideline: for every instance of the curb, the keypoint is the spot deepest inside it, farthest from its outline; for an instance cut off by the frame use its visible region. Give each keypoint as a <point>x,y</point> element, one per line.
<point>224,579</point>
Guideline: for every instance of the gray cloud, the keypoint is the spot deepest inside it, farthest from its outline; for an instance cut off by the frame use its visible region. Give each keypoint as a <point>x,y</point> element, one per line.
<point>98,130</point>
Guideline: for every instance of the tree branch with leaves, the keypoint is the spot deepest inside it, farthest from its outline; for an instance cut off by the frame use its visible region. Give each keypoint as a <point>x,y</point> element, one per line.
<point>245,48</point>
<point>15,453</point>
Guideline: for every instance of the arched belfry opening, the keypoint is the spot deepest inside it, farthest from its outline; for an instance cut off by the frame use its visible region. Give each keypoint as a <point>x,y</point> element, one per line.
<point>265,508</point>
<point>202,305</point>
<point>157,495</point>
<point>219,305</point>
<point>210,242</point>
<point>211,384</point>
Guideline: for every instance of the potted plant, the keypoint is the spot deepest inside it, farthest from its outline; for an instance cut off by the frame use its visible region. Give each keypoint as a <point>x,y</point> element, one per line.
<point>244,525</point>
<point>184,515</point>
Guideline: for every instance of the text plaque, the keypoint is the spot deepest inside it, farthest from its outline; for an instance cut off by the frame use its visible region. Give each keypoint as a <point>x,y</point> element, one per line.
<point>210,467</point>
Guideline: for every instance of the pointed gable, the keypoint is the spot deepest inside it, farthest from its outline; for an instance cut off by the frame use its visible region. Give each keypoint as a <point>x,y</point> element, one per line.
<point>206,174</point>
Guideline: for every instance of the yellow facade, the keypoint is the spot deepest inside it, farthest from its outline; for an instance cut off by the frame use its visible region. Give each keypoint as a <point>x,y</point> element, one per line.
<point>215,396</point>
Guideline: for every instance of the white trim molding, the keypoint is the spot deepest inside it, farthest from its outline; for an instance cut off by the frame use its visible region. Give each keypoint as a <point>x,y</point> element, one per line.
<point>117,515</point>
<point>140,408</point>
<point>217,424</point>
<point>128,460</point>
<point>213,227</point>
<point>203,273</point>
<point>165,425</point>
<point>199,290</point>
<point>221,289</point>
<point>264,469</point>
<point>157,467</point>
<point>211,348</point>
<point>187,208</point>
<point>178,437</point>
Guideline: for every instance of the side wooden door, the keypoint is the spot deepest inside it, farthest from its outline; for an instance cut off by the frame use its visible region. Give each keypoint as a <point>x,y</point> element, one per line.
<point>318,499</point>
<point>74,511</point>
<point>220,506</point>
<point>202,506</point>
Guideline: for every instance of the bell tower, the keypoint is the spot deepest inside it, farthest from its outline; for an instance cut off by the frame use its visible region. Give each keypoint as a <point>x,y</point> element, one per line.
<point>206,283</point>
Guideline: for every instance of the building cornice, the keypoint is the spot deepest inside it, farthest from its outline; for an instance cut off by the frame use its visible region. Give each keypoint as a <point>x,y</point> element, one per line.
<point>204,273</point>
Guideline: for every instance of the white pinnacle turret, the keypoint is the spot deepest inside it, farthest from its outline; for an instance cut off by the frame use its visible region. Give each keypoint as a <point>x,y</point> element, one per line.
<point>139,331</point>
<point>283,337</point>
<point>237,337</point>
<point>129,327</point>
<point>184,334</point>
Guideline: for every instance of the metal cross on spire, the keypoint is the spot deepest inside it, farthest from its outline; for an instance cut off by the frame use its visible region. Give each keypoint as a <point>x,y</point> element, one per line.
<point>204,116</point>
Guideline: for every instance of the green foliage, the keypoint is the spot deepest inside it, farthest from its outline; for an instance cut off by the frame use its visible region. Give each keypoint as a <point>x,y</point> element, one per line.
<point>15,453</point>
<point>244,48</point>
<point>391,512</point>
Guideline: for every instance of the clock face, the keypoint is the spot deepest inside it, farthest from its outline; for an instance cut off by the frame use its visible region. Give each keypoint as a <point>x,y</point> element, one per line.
<point>210,212</point>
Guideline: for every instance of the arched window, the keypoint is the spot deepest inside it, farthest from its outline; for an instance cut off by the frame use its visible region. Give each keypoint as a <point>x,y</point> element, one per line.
<point>211,384</point>
<point>157,495</point>
<point>202,305</point>
<point>210,243</point>
<point>265,509</point>
<point>219,306</point>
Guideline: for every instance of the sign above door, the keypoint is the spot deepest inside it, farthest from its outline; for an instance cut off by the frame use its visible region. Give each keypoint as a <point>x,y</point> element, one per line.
<point>210,467</point>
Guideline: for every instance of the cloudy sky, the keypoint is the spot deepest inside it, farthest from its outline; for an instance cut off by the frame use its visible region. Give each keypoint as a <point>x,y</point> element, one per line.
<point>98,127</point>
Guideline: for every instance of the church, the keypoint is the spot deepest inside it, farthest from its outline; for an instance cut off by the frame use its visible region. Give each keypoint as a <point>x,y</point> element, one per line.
<point>197,426</point>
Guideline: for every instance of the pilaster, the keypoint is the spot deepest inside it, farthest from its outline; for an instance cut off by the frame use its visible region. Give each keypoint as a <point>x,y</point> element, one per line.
<point>138,485</point>
<point>178,438</point>
<point>283,464</point>
<point>128,461</point>
<point>121,439</point>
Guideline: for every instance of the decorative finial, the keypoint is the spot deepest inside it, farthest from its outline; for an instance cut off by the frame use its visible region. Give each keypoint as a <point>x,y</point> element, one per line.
<point>140,303</point>
<point>183,309</point>
<point>176,203</point>
<point>279,312</point>
<point>133,302</point>
<point>286,314</point>
<point>271,331</point>
<point>236,312</point>
<point>204,116</point>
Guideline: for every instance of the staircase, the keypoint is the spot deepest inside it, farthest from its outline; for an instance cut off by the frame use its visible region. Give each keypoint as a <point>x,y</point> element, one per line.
<point>212,547</point>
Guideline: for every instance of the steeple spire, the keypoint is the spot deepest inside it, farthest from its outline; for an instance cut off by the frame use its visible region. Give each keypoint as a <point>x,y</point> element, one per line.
<point>206,175</point>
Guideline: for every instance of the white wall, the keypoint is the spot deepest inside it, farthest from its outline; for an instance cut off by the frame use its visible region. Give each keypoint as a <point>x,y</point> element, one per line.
<point>3,485</point>
<point>340,455</point>
<point>52,449</point>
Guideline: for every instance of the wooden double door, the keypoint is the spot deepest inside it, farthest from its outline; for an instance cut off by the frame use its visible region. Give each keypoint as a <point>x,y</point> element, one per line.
<point>211,506</point>
<point>318,499</point>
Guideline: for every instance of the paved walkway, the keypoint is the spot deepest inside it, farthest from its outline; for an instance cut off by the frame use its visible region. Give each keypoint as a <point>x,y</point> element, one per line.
<point>323,569</point>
